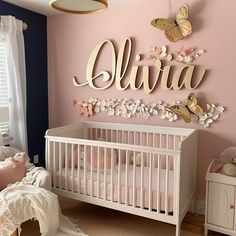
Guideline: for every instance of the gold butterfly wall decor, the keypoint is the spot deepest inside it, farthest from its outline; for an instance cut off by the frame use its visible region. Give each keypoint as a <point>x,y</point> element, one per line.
<point>177,29</point>
<point>185,111</point>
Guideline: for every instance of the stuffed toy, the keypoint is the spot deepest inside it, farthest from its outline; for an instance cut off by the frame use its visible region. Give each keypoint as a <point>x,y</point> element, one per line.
<point>137,158</point>
<point>228,162</point>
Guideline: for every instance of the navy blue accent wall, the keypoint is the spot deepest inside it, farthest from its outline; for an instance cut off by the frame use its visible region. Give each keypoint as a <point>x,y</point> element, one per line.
<point>36,72</point>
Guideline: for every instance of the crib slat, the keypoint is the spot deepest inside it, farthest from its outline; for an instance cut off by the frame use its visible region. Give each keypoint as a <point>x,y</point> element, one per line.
<point>66,166</point>
<point>142,193</point>
<point>134,180</point>
<point>176,183</point>
<point>119,176</point>
<point>150,183</point>
<point>158,182</point>
<point>85,170</point>
<point>60,166</point>
<point>105,173</point>
<point>91,170</point>
<point>126,177</point>
<point>117,136</point>
<point>72,168</point>
<point>112,139</point>
<point>160,140</point>
<point>46,153</point>
<point>167,141</point>
<point>98,173</point>
<point>155,145</point>
<point>112,173</point>
<point>140,138</point>
<point>54,164</point>
<point>106,133</point>
<point>166,186</point>
<point>174,142</point>
<point>109,137</point>
<point>78,168</point>
<point>49,157</point>
<point>147,139</point>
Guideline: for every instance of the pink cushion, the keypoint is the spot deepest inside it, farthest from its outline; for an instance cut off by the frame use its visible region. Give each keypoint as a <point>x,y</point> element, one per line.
<point>94,158</point>
<point>217,168</point>
<point>101,158</point>
<point>12,173</point>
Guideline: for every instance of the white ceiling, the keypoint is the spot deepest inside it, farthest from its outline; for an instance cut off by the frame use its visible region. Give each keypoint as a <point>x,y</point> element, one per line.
<point>42,6</point>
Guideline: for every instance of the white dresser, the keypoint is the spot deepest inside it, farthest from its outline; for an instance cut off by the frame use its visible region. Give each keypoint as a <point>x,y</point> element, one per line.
<point>220,202</point>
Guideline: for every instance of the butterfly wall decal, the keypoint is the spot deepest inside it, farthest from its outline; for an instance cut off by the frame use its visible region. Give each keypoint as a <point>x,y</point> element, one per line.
<point>84,109</point>
<point>185,111</point>
<point>175,29</point>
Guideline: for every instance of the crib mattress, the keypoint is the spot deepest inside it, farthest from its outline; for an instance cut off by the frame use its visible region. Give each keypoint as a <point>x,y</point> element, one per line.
<point>72,180</point>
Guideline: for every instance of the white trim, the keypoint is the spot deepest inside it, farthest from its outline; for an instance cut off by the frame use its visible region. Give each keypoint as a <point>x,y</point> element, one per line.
<point>200,207</point>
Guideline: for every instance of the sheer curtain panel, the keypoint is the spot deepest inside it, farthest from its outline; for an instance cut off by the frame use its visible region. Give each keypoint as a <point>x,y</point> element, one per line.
<point>11,32</point>
<point>4,98</point>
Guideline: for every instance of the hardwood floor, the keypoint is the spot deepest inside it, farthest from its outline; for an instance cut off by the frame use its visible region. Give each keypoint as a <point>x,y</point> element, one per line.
<point>195,224</point>
<point>99,221</point>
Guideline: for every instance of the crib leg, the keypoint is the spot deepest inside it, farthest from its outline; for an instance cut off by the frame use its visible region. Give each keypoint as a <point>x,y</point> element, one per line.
<point>177,232</point>
<point>205,231</point>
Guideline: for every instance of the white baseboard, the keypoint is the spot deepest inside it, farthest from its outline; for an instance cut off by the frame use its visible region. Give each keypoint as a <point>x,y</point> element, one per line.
<point>200,207</point>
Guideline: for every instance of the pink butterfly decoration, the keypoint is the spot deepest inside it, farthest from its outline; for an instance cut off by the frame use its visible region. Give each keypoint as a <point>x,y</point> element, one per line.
<point>84,109</point>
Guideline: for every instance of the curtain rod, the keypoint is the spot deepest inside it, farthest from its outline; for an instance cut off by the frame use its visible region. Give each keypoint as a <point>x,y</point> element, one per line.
<point>24,25</point>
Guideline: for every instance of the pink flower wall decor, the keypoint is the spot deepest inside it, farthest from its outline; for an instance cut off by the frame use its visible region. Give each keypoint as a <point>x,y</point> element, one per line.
<point>131,109</point>
<point>183,55</point>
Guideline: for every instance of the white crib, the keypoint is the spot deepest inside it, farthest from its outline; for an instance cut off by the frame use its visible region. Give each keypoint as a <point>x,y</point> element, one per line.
<point>148,171</point>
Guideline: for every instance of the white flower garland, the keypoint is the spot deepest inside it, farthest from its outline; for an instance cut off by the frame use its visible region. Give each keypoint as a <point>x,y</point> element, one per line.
<point>130,109</point>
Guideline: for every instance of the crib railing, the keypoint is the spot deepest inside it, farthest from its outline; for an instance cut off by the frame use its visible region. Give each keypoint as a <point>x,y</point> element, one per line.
<point>130,175</point>
<point>149,139</point>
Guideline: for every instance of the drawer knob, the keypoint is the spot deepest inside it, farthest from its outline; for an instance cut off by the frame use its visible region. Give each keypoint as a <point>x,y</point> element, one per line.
<point>231,206</point>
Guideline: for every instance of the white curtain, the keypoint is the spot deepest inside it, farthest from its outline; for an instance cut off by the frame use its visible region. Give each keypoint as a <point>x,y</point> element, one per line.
<point>11,31</point>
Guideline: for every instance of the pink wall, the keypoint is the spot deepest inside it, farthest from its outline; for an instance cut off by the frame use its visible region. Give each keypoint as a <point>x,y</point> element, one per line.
<point>71,39</point>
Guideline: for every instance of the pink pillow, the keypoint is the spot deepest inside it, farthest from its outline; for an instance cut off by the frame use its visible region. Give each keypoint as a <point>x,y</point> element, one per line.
<point>217,168</point>
<point>94,158</point>
<point>12,172</point>
<point>102,160</point>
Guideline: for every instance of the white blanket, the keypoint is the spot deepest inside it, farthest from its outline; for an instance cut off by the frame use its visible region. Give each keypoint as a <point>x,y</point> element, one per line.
<point>19,203</point>
<point>37,176</point>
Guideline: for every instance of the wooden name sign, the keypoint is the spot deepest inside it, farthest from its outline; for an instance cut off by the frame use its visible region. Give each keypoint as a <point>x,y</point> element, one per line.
<point>183,76</point>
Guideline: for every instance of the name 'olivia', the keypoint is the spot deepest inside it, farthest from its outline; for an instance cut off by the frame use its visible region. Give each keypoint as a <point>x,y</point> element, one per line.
<point>183,76</point>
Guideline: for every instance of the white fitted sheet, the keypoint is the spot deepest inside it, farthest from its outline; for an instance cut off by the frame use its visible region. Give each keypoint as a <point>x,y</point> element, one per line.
<point>68,180</point>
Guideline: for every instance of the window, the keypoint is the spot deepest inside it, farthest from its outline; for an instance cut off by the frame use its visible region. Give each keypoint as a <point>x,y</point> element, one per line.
<point>4,101</point>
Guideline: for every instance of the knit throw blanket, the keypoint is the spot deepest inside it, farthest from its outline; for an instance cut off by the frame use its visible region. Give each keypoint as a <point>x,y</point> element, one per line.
<point>19,203</point>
